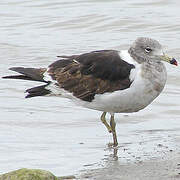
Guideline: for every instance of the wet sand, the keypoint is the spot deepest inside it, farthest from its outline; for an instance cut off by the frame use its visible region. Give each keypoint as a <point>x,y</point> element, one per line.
<point>166,168</point>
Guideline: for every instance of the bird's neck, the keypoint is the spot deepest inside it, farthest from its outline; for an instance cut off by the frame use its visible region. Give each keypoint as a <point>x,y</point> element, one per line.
<point>136,56</point>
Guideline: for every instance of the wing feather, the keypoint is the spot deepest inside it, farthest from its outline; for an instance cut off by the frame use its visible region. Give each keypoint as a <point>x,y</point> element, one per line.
<point>91,73</point>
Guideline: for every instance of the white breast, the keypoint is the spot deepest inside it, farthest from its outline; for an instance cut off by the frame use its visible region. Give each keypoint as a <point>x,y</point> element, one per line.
<point>141,93</point>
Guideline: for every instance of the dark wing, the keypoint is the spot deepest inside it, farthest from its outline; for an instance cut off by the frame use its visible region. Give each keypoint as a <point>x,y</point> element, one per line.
<point>91,73</point>
<point>33,74</point>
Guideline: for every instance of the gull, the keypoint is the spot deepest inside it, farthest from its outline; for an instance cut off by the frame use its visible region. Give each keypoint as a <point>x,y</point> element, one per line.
<point>109,81</point>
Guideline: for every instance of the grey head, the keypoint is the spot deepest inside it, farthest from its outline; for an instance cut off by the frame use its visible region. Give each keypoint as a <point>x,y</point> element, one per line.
<point>146,49</point>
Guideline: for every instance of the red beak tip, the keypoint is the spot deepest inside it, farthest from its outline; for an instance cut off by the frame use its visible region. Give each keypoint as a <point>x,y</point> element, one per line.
<point>174,62</point>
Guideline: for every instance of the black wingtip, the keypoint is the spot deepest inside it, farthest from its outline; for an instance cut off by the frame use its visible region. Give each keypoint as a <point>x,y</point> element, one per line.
<point>30,96</point>
<point>7,77</point>
<point>12,68</point>
<point>33,74</point>
<point>4,77</point>
<point>16,69</point>
<point>37,91</point>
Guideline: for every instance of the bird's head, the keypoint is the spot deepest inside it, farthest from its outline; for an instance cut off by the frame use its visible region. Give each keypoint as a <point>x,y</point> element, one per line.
<point>144,49</point>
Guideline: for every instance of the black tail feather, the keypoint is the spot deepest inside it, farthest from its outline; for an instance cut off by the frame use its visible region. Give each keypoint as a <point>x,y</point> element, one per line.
<point>38,91</point>
<point>19,77</point>
<point>32,74</point>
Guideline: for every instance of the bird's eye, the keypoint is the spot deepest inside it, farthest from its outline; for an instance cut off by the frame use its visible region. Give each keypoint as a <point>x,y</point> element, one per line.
<point>148,49</point>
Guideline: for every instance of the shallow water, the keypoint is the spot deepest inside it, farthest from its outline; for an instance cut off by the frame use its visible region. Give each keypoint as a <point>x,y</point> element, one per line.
<point>54,134</point>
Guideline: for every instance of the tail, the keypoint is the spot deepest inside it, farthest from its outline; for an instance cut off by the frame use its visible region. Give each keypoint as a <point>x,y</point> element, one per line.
<point>32,74</point>
<point>38,91</point>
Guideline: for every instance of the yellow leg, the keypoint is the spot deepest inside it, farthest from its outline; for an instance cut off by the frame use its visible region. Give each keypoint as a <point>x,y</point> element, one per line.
<point>113,127</point>
<point>103,119</point>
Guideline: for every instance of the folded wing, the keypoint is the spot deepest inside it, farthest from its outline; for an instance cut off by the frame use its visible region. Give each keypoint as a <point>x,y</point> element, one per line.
<point>91,73</point>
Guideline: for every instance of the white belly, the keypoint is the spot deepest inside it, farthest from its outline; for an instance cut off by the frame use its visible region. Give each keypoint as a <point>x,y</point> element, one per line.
<point>140,94</point>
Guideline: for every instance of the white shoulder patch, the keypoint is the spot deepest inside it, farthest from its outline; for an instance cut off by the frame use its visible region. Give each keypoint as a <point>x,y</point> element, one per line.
<point>133,74</point>
<point>47,77</point>
<point>126,57</point>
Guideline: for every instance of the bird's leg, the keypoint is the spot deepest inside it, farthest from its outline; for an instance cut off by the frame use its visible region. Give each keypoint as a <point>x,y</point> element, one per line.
<point>103,119</point>
<point>113,127</point>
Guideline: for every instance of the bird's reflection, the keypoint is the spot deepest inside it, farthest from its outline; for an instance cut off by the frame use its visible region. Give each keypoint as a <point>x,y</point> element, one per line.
<point>113,156</point>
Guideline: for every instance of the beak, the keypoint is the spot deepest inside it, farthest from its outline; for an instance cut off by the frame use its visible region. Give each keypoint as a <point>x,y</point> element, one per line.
<point>168,59</point>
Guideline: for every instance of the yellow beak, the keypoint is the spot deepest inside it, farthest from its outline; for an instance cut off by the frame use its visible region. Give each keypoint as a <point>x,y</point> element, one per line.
<point>168,59</point>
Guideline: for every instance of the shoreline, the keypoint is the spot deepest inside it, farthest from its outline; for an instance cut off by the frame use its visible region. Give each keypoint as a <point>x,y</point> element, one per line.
<point>166,168</point>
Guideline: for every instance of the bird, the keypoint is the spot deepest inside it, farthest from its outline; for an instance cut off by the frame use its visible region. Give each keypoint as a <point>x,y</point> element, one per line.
<point>110,81</point>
